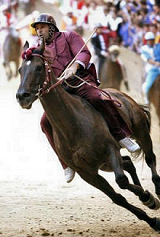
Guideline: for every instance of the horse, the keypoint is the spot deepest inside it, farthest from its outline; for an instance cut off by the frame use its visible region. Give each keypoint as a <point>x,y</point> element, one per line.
<point>11,51</point>
<point>80,30</point>
<point>154,96</point>
<point>82,137</point>
<point>114,72</point>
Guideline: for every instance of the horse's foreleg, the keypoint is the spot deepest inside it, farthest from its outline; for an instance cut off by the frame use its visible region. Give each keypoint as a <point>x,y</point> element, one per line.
<point>100,183</point>
<point>8,71</point>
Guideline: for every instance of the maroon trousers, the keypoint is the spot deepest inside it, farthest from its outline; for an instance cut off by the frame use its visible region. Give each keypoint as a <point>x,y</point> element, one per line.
<point>116,124</point>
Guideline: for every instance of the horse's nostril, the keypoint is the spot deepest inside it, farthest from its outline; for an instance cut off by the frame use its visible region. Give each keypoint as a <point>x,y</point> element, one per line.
<point>22,96</point>
<point>26,95</point>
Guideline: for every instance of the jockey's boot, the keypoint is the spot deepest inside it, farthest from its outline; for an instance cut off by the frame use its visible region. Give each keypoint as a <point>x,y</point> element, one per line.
<point>145,94</point>
<point>128,143</point>
<point>146,99</point>
<point>69,174</point>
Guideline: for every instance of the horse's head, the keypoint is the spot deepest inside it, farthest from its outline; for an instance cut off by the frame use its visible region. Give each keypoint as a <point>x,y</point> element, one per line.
<point>114,51</point>
<point>32,72</point>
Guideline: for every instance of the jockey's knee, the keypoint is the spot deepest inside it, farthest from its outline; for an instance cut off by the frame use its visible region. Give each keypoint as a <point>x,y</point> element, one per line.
<point>44,123</point>
<point>95,98</point>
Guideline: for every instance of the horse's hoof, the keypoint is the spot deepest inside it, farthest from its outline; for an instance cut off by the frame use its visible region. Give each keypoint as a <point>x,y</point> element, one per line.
<point>156,227</point>
<point>153,203</point>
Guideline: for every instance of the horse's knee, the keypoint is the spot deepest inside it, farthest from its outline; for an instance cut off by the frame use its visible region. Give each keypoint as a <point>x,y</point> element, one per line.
<point>122,181</point>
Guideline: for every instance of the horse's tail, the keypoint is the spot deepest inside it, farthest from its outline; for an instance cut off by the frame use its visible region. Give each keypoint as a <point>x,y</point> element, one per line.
<point>148,115</point>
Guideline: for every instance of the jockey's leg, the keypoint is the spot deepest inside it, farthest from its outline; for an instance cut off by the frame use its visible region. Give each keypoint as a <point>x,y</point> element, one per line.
<point>101,61</point>
<point>47,129</point>
<point>118,127</point>
<point>150,79</point>
<point>107,109</point>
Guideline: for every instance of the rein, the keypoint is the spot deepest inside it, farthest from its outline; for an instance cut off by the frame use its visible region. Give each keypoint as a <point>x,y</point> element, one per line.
<point>48,78</point>
<point>44,90</point>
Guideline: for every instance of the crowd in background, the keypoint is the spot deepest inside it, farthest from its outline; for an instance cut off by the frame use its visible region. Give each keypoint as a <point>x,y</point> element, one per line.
<point>129,19</point>
<point>121,22</point>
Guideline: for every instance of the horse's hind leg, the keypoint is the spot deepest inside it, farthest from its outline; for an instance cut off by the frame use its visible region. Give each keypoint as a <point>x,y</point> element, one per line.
<point>144,139</point>
<point>145,196</point>
<point>151,162</point>
<point>100,183</point>
<point>123,182</point>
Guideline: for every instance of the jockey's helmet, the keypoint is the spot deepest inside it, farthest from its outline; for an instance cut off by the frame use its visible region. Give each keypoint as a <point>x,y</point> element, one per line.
<point>45,18</point>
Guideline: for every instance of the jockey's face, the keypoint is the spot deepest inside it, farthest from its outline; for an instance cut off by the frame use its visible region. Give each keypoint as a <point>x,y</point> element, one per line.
<point>42,30</point>
<point>99,30</point>
<point>151,42</point>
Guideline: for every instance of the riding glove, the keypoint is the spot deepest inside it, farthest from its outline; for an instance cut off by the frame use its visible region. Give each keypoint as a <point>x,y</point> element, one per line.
<point>71,71</point>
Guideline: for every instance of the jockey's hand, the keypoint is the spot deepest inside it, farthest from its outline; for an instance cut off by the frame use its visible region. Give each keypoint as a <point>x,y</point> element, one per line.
<point>71,71</point>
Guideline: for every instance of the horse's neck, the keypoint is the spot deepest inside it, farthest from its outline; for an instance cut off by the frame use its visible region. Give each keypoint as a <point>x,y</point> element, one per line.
<point>61,110</point>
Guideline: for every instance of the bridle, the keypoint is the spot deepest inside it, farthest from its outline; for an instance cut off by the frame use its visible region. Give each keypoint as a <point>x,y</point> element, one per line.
<point>48,78</point>
<point>47,87</point>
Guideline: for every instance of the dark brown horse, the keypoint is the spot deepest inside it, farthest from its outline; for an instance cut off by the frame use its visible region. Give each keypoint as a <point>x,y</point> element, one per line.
<point>114,72</point>
<point>154,96</point>
<point>11,52</point>
<point>82,137</point>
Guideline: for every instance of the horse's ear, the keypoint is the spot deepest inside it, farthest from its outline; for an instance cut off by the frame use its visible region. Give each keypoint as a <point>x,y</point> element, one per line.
<point>26,46</point>
<point>42,45</point>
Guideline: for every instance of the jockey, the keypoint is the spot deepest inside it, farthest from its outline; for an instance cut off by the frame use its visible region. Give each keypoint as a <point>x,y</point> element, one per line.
<point>100,41</point>
<point>7,23</point>
<point>7,19</point>
<point>61,48</point>
<point>150,53</point>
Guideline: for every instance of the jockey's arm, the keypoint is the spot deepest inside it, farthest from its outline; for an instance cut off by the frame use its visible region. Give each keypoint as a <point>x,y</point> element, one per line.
<point>155,63</point>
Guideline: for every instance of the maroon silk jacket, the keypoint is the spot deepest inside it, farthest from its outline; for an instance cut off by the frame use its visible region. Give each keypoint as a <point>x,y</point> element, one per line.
<point>64,48</point>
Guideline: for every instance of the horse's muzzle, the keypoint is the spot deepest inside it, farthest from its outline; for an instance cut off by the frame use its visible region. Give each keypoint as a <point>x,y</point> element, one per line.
<point>24,99</point>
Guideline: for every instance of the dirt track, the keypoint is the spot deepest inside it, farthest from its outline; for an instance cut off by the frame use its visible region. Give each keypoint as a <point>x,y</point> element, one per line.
<point>35,199</point>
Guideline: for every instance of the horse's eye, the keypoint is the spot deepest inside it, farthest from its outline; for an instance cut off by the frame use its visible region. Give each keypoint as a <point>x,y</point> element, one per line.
<point>38,68</point>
